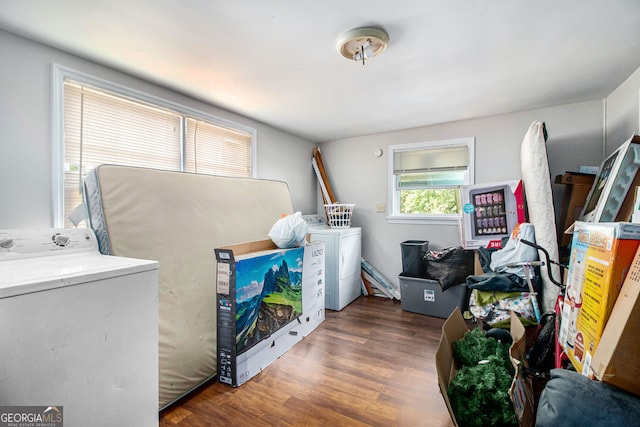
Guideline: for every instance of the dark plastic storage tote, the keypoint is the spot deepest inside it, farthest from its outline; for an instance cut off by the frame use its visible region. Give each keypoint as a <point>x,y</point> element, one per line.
<point>413,263</point>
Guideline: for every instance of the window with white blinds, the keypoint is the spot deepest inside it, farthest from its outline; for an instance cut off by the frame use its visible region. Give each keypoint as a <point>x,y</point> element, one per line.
<point>102,126</point>
<point>425,179</point>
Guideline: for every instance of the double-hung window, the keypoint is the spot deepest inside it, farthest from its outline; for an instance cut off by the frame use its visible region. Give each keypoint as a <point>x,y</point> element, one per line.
<point>425,179</point>
<point>96,122</point>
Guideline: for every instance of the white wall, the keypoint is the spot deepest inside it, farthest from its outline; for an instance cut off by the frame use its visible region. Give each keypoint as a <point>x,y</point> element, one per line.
<point>623,112</point>
<point>25,133</point>
<point>575,138</point>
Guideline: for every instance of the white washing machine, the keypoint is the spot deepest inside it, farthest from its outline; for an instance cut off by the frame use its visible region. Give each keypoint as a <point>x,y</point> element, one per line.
<point>342,261</point>
<point>79,330</point>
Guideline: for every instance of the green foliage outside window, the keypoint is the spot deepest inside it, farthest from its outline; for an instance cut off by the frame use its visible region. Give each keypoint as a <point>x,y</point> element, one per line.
<point>438,201</point>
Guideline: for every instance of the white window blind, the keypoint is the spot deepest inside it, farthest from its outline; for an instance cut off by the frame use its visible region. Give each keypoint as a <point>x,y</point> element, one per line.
<point>425,179</point>
<point>102,127</point>
<point>436,167</point>
<point>214,149</point>
<point>434,159</point>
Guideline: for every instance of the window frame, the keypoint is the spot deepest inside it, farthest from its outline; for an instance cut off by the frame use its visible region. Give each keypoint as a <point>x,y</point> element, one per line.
<point>60,73</point>
<point>395,217</point>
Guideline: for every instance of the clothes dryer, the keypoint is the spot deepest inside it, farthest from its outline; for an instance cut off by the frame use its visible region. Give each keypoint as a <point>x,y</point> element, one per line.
<point>342,261</point>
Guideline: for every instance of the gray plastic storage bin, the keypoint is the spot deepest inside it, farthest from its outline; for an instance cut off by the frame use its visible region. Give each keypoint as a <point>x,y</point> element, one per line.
<point>425,296</point>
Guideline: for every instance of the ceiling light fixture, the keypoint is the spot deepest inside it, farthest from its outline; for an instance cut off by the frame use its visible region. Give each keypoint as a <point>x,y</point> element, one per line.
<point>362,44</point>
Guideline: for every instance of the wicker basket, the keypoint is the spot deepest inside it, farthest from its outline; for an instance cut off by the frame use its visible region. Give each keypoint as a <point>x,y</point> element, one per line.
<point>339,215</point>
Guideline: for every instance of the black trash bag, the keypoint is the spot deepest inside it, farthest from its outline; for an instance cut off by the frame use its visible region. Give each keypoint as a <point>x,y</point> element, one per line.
<point>450,266</point>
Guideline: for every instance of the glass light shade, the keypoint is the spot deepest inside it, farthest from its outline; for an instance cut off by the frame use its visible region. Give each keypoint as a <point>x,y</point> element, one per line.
<point>362,41</point>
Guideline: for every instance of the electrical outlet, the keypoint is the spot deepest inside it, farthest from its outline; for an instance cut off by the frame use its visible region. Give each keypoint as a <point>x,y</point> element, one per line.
<point>381,208</point>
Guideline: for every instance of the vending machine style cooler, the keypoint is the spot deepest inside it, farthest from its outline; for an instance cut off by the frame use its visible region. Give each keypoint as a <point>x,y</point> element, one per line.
<point>491,212</point>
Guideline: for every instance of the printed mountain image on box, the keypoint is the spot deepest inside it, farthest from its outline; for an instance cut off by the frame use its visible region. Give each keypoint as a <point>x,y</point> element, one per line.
<point>268,295</point>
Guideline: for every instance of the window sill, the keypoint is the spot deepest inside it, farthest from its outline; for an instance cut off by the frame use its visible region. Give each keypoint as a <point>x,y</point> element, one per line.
<point>425,219</point>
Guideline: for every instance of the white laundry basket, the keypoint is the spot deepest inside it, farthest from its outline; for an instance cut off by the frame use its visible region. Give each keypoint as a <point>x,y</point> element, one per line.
<point>339,215</point>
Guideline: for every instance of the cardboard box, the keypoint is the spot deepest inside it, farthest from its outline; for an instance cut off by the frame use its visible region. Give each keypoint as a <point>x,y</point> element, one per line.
<point>521,391</point>
<point>268,299</point>
<point>425,296</point>
<point>577,187</point>
<point>490,212</point>
<point>616,360</point>
<point>600,257</point>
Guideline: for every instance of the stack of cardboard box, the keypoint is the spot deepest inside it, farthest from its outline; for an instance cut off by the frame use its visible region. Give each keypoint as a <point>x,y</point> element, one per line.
<point>600,257</point>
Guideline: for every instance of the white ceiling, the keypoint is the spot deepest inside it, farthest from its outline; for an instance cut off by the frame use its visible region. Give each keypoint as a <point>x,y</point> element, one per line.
<point>276,60</point>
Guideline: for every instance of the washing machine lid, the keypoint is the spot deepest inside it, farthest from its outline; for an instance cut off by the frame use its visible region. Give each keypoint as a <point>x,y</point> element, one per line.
<point>44,273</point>
<point>37,260</point>
<point>315,222</point>
<point>318,224</point>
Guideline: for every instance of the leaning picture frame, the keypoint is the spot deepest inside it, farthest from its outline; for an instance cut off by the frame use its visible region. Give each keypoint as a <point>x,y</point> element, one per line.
<point>610,198</point>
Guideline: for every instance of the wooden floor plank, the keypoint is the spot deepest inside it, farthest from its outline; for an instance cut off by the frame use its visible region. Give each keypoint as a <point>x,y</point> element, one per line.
<point>371,364</point>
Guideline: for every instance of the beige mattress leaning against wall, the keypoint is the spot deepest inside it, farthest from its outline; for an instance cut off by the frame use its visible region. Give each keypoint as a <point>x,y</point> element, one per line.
<point>178,219</point>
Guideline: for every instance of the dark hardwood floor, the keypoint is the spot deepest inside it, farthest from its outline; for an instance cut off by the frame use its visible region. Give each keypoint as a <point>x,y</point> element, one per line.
<point>371,364</point>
